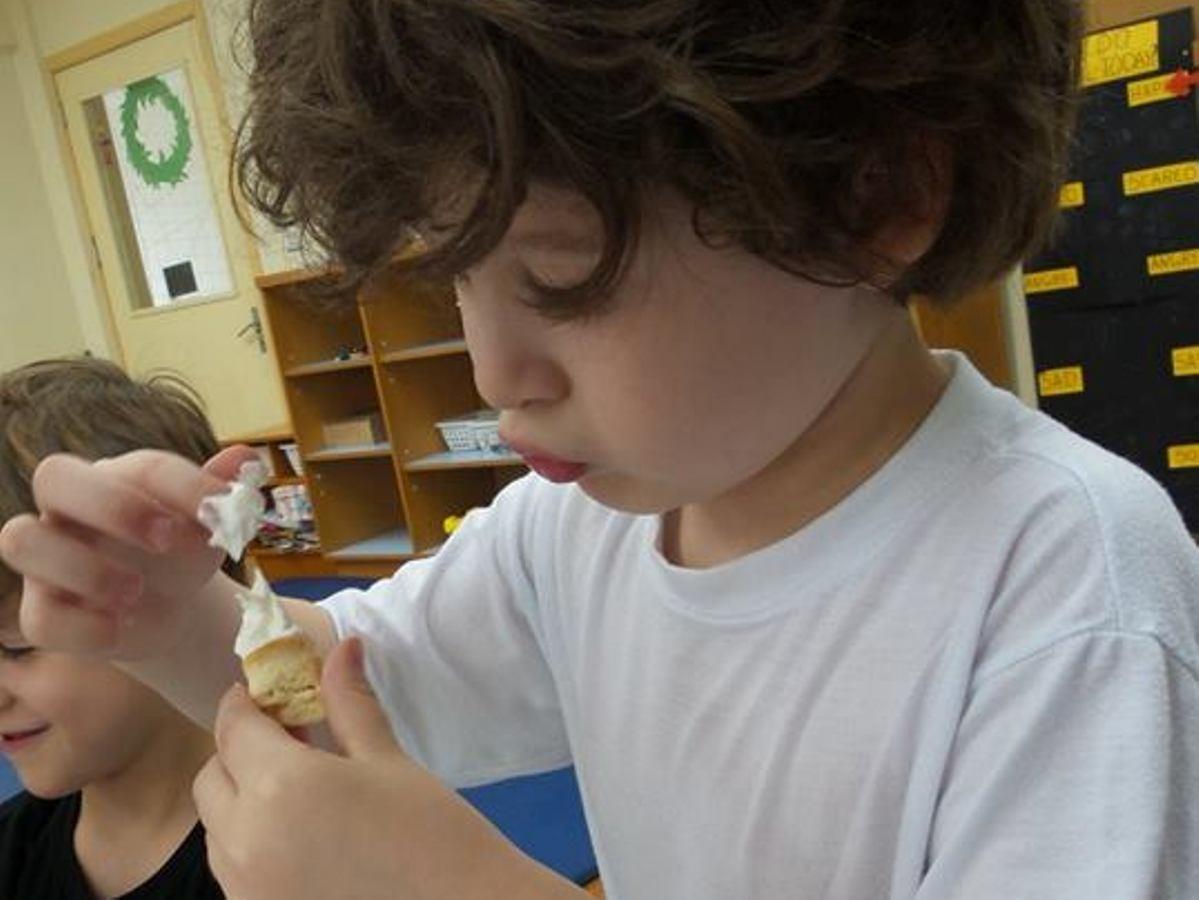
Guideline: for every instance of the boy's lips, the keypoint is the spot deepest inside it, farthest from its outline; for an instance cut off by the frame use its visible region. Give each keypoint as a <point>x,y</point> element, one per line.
<point>556,470</point>
<point>551,468</point>
<point>11,741</point>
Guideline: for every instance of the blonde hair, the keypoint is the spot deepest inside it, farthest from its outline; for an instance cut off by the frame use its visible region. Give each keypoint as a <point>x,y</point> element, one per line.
<point>93,409</point>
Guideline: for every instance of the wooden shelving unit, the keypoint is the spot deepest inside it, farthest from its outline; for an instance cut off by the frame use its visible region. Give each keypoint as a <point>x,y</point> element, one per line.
<point>396,349</point>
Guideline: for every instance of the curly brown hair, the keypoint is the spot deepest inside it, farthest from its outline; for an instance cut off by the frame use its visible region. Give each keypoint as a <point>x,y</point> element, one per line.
<point>91,408</point>
<point>796,129</point>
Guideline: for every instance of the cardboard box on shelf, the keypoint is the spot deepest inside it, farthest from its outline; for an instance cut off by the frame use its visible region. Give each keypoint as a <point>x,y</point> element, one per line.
<point>354,431</point>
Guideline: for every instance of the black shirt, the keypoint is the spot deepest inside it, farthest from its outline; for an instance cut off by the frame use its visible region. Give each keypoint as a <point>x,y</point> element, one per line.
<point>37,858</point>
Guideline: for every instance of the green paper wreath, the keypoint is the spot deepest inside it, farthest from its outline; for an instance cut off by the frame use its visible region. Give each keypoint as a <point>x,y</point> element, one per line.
<point>167,168</point>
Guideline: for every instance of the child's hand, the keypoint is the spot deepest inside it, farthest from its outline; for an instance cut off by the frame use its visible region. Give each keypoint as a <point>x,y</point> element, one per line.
<point>115,553</point>
<point>288,821</point>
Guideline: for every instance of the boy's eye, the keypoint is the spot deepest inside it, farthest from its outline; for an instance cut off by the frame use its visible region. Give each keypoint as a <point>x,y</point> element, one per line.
<point>554,297</point>
<point>13,653</point>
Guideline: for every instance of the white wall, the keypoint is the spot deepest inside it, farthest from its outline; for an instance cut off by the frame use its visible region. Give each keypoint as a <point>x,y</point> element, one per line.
<point>37,313</point>
<point>61,23</point>
<point>8,37</point>
<point>224,17</point>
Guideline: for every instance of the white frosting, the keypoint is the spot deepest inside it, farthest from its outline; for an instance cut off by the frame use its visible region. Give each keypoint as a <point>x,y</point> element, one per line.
<point>233,517</point>
<point>263,618</point>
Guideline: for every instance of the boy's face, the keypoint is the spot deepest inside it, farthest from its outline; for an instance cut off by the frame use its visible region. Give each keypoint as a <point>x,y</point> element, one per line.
<point>708,365</point>
<point>67,721</point>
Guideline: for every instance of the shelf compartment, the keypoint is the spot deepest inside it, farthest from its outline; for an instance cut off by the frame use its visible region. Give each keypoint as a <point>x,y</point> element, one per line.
<point>474,459</point>
<point>393,544</point>
<point>311,330</point>
<point>434,494</point>
<point>420,393</point>
<point>359,451</point>
<point>329,397</point>
<point>354,503</point>
<point>453,347</point>
<point>402,313</point>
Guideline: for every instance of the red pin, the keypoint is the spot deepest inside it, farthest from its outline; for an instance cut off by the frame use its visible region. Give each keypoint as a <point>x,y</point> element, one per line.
<point>1182,82</point>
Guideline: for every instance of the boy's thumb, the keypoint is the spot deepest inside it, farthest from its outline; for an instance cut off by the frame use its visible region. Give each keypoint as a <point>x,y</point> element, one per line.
<point>356,719</point>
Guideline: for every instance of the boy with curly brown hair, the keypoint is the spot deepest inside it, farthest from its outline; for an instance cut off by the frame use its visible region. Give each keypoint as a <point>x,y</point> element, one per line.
<point>813,610</point>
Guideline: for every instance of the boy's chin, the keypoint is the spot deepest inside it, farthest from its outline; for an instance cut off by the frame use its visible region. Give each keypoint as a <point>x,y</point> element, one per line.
<point>630,495</point>
<point>48,788</point>
<point>47,783</point>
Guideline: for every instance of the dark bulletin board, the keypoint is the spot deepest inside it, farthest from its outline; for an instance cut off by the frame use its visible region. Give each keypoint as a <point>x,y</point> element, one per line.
<point>1114,301</point>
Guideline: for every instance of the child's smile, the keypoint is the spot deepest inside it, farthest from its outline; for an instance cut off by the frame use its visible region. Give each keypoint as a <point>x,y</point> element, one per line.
<point>13,741</point>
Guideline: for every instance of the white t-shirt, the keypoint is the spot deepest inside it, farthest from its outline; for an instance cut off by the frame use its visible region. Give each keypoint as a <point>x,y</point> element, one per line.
<point>975,678</point>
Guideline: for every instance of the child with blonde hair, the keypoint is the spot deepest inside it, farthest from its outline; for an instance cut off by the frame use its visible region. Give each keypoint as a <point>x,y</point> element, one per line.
<point>107,764</point>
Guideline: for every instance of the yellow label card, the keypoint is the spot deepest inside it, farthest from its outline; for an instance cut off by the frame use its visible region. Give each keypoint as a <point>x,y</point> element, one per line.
<point>1150,90</point>
<point>1058,382</point>
<point>1073,195</point>
<point>1183,456</point>
<point>1161,178</point>
<point>1051,280</point>
<point>1169,263</point>
<point>1120,53</point>
<point>1186,361</point>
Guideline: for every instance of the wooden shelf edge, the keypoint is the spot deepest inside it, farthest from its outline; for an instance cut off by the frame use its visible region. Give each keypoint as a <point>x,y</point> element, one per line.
<point>390,545</point>
<point>295,276</point>
<point>253,551</point>
<point>336,454</point>
<point>338,557</point>
<point>327,366</point>
<point>425,351</point>
<point>283,480</point>
<point>440,462</point>
<point>280,434</point>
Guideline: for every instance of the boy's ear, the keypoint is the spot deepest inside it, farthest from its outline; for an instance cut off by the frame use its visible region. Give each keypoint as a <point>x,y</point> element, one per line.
<point>910,233</point>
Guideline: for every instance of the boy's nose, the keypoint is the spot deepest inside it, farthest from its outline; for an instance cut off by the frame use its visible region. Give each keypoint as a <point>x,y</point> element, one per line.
<point>512,372</point>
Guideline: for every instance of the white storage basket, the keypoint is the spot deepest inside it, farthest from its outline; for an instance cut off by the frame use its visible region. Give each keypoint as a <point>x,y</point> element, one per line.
<point>474,431</point>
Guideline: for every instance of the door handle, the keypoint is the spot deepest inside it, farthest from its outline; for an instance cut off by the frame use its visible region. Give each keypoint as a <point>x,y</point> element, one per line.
<point>255,326</point>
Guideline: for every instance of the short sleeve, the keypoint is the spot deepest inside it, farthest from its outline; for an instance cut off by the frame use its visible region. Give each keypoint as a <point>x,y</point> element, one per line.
<point>454,654</point>
<point>1075,776</point>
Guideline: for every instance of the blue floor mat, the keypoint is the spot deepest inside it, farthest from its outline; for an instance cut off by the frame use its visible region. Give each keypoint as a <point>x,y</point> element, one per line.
<point>317,588</point>
<point>543,815</point>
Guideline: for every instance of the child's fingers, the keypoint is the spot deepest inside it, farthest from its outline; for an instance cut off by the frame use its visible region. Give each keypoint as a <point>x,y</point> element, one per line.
<point>39,550</point>
<point>219,862</point>
<point>229,461</point>
<point>248,741</point>
<point>73,489</point>
<point>56,621</point>
<point>213,791</point>
<point>147,498</point>
<point>177,483</point>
